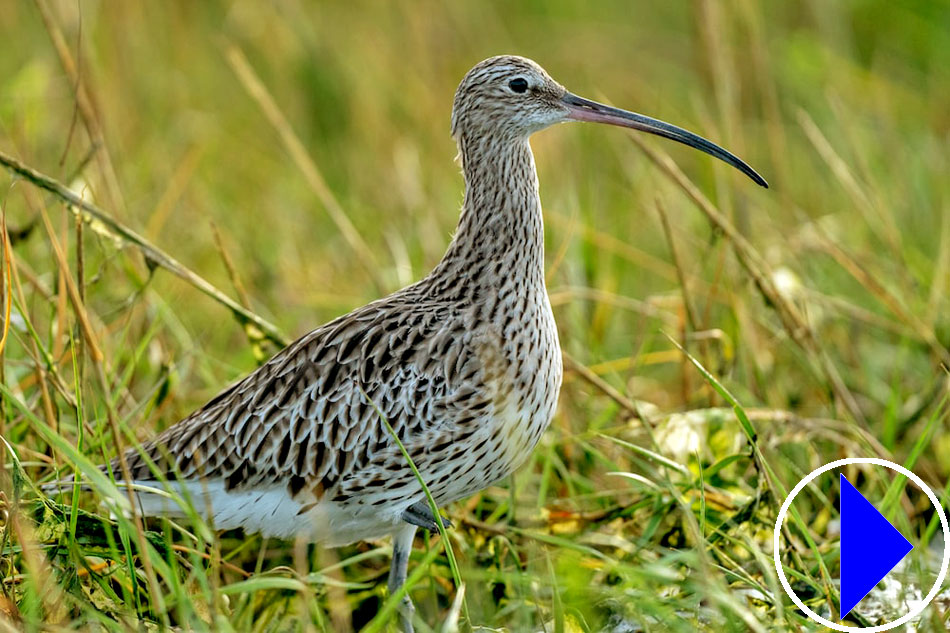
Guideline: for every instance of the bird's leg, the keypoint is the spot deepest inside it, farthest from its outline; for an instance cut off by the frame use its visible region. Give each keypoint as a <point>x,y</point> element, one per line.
<point>402,546</point>
<point>421,515</point>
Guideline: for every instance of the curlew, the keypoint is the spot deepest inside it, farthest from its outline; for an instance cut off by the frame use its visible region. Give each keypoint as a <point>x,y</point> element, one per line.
<point>464,364</point>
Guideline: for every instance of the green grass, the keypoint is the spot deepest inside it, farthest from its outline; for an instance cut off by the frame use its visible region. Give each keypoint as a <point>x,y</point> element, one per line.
<point>313,142</point>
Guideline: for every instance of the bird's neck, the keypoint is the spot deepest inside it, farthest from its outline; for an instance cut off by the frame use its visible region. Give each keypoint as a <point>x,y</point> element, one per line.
<point>500,234</point>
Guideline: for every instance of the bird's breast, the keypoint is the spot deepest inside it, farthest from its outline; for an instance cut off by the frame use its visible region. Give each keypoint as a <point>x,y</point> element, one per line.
<point>526,381</point>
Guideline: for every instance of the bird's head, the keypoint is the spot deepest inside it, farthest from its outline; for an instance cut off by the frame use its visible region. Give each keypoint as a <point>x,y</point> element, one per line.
<point>508,96</point>
<point>511,97</point>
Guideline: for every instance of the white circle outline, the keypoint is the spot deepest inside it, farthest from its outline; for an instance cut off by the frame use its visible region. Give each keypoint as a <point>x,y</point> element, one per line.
<point>944,565</point>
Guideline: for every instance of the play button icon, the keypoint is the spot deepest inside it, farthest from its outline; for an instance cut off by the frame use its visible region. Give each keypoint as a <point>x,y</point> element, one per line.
<point>870,546</point>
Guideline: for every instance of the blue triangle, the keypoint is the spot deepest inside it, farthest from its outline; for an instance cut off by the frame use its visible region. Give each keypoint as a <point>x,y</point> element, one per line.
<point>870,547</point>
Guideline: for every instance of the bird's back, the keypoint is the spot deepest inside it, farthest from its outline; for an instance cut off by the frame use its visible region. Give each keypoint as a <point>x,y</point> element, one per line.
<point>299,444</point>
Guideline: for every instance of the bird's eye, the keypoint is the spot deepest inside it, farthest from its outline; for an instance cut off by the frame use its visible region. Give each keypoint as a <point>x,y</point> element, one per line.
<point>518,84</point>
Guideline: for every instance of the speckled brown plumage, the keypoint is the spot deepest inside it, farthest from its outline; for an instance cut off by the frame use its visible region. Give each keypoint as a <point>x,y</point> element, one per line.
<point>464,364</point>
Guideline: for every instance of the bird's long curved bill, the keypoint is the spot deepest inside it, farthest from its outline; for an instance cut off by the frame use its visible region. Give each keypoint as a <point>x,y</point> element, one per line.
<point>586,110</point>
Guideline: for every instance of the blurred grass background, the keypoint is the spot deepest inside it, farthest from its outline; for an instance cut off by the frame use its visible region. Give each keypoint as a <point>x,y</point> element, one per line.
<point>832,334</point>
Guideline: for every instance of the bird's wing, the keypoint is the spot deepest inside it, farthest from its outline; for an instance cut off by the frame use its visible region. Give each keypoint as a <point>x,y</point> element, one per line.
<point>311,414</point>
